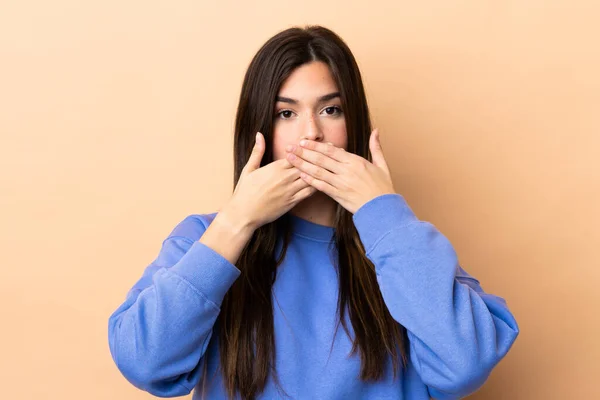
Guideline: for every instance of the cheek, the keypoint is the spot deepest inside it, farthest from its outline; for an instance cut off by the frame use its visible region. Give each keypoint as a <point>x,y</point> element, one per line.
<point>279,142</point>
<point>336,134</point>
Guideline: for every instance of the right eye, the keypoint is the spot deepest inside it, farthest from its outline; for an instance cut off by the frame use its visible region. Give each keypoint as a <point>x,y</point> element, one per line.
<point>285,114</point>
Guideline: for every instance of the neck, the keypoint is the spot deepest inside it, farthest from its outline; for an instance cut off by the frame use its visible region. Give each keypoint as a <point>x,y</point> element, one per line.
<point>318,208</point>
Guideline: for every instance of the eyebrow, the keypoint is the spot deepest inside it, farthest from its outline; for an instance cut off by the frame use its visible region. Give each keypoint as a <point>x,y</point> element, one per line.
<point>320,99</point>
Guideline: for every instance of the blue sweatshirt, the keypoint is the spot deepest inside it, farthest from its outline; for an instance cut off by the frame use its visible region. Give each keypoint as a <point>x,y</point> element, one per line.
<point>161,334</point>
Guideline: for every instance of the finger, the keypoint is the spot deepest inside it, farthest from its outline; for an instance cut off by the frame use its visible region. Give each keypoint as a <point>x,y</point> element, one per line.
<point>304,193</point>
<point>320,185</point>
<point>377,151</point>
<point>291,175</point>
<point>284,163</point>
<point>257,154</point>
<point>337,153</point>
<point>298,183</point>
<point>316,171</point>
<point>317,158</point>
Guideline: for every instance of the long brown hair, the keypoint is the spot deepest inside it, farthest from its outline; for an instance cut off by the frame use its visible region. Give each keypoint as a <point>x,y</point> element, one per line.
<point>245,324</point>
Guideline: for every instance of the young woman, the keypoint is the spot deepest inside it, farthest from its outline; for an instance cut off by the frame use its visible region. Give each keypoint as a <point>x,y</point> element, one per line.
<point>246,302</point>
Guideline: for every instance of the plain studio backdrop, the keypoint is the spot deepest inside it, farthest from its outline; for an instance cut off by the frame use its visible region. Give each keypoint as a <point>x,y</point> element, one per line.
<point>116,121</point>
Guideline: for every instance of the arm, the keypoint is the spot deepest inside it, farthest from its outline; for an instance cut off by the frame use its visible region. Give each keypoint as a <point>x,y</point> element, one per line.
<point>158,335</point>
<point>457,332</point>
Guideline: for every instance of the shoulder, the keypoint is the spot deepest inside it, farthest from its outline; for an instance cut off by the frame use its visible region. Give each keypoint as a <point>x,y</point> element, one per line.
<point>192,226</point>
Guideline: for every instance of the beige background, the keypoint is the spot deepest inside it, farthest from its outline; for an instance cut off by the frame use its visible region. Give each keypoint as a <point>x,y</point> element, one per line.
<point>116,122</point>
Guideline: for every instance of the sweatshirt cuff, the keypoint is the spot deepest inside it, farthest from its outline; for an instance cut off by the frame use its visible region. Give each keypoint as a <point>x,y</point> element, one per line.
<point>208,271</point>
<point>380,215</point>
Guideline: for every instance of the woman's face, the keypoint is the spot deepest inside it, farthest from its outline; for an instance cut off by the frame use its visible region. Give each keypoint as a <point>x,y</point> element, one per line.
<point>308,106</point>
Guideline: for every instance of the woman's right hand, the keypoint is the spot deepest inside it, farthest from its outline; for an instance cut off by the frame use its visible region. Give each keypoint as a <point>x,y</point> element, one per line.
<point>263,194</point>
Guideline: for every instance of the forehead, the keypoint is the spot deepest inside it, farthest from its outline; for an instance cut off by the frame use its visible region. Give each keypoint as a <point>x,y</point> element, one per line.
<point>309,81</point>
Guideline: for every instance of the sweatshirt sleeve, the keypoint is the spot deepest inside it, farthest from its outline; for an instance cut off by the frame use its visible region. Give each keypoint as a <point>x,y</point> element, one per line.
<point>158,335</point>
<point>457,332</point>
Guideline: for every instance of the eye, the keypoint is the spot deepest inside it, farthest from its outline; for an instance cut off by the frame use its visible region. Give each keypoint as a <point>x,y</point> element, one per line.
<point>333,110</point>
<point>284,114</point>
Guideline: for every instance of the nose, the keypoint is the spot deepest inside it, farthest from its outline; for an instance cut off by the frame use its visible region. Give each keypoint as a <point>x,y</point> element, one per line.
<point>312,129</point>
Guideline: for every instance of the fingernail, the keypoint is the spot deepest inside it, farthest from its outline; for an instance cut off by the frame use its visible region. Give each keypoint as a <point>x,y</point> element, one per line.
<point>302,142</point>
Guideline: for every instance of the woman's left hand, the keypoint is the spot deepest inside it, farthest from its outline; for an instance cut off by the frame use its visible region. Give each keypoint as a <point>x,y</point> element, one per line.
<point>345,177</point>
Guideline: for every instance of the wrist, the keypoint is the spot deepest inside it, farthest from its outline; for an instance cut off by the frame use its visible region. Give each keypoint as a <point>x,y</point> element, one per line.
<point>234,221</point>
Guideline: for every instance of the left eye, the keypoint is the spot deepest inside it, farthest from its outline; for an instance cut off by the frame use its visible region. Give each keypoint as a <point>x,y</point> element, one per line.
<point>333,110</point>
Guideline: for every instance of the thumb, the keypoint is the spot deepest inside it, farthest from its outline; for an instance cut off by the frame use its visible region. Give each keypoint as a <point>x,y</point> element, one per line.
<point>377,151</point>
<point>257,153</point>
